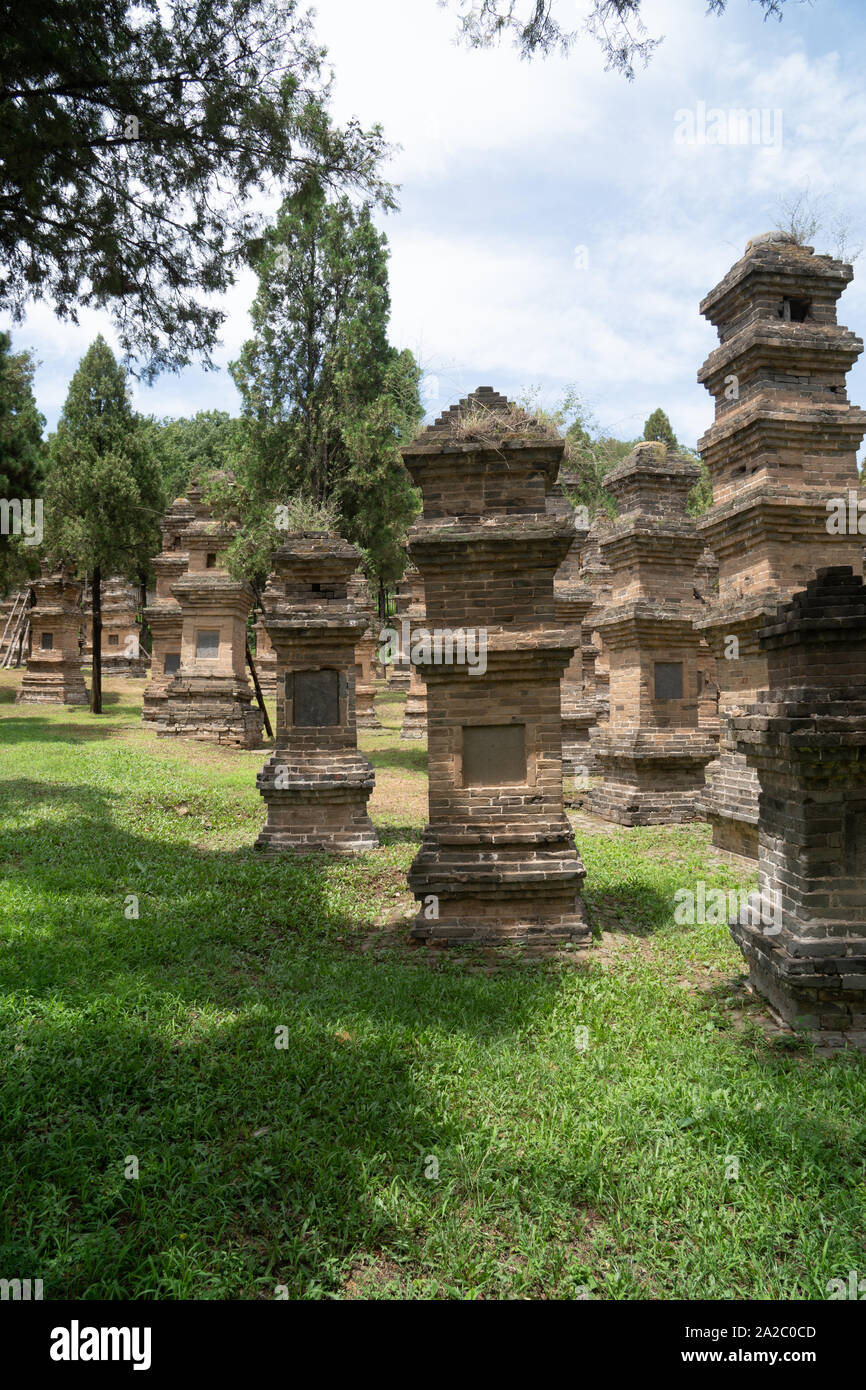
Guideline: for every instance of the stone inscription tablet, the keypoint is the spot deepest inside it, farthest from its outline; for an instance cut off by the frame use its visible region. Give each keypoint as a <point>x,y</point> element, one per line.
<point>494,754</point>
<point>317,698</point>
<point>669,680</point>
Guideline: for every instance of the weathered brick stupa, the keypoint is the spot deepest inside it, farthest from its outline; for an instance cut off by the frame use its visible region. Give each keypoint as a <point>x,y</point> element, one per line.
<point>783,445</point>
<point>316,784</point>
<point>806,739</point>
<point>651,752</point>
<point>53,675</point>
<point>595,573</point>
<point>265,658</point>
<point>398,672</point>
<point>415,711</point>
<point>497,861</point>
<point>706,591</point>
<point>122,653</point>
<point>365,654</point>
<point>210,698</point>
<point>164,616</point>
<point>574,599</point>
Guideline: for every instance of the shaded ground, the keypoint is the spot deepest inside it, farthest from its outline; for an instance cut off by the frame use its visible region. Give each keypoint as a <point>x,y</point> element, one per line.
<point>312,1103</point>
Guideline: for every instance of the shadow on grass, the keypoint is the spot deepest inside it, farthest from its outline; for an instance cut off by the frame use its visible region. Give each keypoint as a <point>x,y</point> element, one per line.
<point>156,1036</point>
<point>37,729</point>
<point>411,758</point>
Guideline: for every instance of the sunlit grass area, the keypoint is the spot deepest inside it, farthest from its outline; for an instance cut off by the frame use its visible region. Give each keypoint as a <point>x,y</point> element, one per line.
<point>312,1105</point>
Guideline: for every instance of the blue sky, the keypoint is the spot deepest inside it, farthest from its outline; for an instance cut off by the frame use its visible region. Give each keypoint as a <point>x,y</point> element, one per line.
<point>507,167</point>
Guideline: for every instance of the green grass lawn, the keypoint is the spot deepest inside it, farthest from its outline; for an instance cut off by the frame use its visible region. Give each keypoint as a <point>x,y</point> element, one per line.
<point>311,1165</point>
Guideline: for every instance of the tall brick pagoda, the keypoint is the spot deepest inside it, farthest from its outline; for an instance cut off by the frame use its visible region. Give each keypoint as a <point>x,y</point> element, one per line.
<point>399,671</point>
<point>574,599</point>
<point>652,752</point>
<point>53,675</point>
<point>595,573</point>
<point>164,616</point>
<point>266,658</point>
<point>497,861</point>
<point>122,653</point>
<point>365,654</point>
<point>414,724</point>
<point>210,698</point>
<point>806,740</point>
<point>316,783</point>
<point>783,445</point>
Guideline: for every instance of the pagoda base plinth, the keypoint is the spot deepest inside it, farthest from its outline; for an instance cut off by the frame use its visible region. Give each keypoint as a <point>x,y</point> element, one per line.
<point>487,892</point>
<point>734,836</point>
<point>52,688</point>
<point>365,712</point>
<point>578,754</point>
<point>820,995</point>
<point>414,724</point>
<point>651,779</point>
<point>135,668</point>
<point>317,806</point>
<point>211,710</point>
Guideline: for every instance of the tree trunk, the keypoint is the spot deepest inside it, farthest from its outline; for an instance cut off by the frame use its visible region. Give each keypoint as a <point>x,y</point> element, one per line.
<point>383,613</point>
<point>96,641</point>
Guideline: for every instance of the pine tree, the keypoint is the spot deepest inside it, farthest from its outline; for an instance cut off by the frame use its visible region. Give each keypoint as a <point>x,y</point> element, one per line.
<point>658,427</point>
<point>327,401</point>
<point>22,456</point>
<point>136,138</point>
<point>103,498</point>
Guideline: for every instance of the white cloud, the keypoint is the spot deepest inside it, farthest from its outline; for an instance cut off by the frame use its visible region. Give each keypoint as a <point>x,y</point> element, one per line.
<point>507,165</point>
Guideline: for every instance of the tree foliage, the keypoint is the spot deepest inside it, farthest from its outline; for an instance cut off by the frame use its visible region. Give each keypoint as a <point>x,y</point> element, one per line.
<point>327,401</point>
<point>22,455</point>
<point>534,27</point>
<point>134,135</point>
<point>658,428</point>
<point>103,498</point>
<point>192,447</point>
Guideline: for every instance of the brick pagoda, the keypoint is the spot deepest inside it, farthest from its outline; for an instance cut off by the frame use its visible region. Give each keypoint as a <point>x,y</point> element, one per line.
<point>365,654</point>
<point>398,672</point>
<point>210,698</point>
<point>122,653</point>
<point>652,752</point>
<point>498,861</point>
<point>784,443</point>
<point>806,740</point>
<point>415,711</point>
<point>316,783</point>
<point>574,599</point>
<point>164,616</point>
<point>53,675</point>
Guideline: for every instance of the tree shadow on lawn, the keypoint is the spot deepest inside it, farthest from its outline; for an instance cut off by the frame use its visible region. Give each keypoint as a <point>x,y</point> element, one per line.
<point>37,729</point>
<point>156,1037</point>
<point>637,909</point>
<point>259,1164</point>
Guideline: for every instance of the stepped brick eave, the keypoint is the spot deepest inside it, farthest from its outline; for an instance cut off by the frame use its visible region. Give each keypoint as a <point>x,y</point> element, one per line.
<point>805,740</point>
<point>781,452</point>
<point>488,544</point>
<point>317,783</point>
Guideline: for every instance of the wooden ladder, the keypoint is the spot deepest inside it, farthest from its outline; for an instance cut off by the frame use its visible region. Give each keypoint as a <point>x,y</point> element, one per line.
<point>15,630</point>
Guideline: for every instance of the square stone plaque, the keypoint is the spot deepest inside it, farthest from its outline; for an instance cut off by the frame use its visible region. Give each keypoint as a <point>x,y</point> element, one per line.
<point>171,665</point>
<point>668,680</point>
<point>207,644</point>
<point>317,698</point>
<point>494,755</point>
